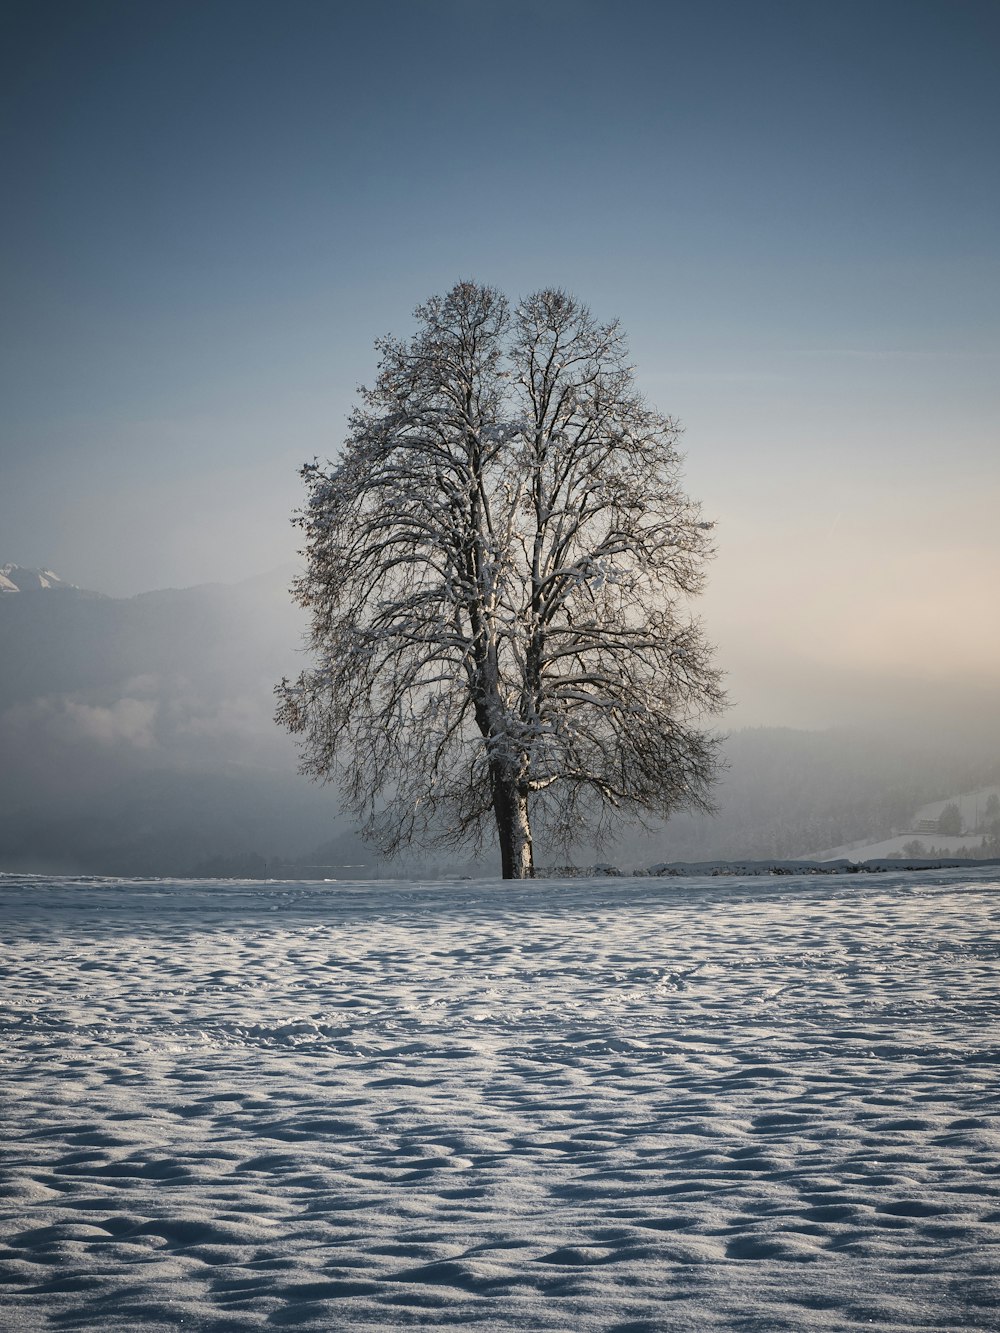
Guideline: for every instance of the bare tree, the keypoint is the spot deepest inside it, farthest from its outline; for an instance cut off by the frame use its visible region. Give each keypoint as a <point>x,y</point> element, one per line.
<point>497,575</point>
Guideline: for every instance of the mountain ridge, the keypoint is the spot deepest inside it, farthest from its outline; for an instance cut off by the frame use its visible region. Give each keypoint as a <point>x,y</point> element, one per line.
<point>16,578</point>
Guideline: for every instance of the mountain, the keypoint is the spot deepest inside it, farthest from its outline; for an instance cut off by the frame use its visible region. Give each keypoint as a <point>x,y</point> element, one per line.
<point>15,578</point>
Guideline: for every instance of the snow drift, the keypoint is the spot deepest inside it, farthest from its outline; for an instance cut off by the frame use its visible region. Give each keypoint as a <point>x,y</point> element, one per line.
<point>613,1104</point>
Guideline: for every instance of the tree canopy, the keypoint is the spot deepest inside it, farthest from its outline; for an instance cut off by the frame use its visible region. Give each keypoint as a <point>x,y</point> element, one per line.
<point>498,571</point>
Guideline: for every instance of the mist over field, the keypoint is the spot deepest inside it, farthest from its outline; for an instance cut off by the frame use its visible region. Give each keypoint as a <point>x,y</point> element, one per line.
<point>138,738</point>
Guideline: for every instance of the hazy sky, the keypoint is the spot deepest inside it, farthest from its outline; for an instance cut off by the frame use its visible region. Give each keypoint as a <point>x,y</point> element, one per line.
<point>212,209</point>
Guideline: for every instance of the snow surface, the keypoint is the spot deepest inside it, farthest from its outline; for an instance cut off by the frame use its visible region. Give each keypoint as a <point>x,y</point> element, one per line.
<point>626,1105</point>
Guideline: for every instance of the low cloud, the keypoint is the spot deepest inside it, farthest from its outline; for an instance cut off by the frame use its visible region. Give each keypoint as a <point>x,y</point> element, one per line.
<point>127,722</point>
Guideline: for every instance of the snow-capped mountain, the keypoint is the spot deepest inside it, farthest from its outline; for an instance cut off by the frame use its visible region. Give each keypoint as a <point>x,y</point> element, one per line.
<point>16,578</point>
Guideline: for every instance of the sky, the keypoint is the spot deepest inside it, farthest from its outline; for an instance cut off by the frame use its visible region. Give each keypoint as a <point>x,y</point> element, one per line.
<point>212,210</point>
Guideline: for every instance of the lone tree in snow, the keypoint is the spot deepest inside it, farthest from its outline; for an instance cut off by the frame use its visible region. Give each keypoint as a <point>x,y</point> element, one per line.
<point>497,572</point>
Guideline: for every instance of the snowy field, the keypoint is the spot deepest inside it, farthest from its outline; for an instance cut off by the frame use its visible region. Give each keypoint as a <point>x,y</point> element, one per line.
<point>625,1105</point>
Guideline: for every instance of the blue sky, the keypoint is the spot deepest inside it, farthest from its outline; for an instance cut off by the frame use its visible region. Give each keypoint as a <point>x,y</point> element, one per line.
<point>213,208</point>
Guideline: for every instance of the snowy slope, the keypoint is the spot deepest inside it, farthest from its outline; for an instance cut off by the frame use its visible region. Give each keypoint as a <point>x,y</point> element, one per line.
<point>956,845</point>
<point>971,805</point>
<point>635,1105</point>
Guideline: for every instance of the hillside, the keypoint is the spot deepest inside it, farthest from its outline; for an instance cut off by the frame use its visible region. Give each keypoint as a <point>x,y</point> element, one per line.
<point>977,832</point>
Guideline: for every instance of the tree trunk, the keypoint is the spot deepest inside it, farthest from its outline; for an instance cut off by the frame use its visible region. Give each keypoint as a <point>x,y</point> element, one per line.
<point>513,830</point>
